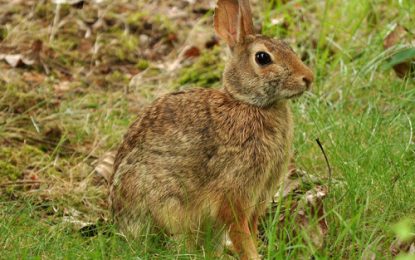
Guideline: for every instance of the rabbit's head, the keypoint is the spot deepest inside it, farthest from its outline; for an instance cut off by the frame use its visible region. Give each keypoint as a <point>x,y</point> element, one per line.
<point>261,70</point>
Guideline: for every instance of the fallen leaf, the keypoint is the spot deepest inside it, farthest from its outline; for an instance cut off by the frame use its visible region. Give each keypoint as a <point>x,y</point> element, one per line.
<point>401,247</point>
<point>62,87</point>
<point>314,204</point>
<point>69,2</point>
<point>75,3</point>
<point>306,196</point>
<point>403,62</point>
<point>394,37</point>
<point>104,167</point>
<point>191,52</point>
<point>15,60</point>
<point>33,77</point>
<point>172,37</point>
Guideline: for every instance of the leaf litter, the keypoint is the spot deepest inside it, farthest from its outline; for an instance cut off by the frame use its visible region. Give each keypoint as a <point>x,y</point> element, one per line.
<point>300,199</point>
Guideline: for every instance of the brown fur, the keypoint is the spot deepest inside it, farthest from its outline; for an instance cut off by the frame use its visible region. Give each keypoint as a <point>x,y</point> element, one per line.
<point>208,155</point>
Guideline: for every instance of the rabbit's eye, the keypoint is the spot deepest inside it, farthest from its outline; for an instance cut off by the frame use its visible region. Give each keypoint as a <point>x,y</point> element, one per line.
<point>262,58</point>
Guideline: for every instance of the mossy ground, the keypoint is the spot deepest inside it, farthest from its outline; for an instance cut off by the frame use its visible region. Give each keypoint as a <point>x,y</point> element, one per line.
<point>97,66</point>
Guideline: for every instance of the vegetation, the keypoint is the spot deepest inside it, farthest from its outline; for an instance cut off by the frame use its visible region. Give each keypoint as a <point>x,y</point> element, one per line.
<point>81,73</point>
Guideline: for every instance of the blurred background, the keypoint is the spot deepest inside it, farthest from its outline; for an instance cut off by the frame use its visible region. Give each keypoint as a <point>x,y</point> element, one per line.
<point>74,74</point>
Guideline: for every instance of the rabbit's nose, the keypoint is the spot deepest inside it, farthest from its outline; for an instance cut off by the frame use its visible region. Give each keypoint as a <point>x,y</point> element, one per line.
<point>307,78</point>
<point>307,81</point>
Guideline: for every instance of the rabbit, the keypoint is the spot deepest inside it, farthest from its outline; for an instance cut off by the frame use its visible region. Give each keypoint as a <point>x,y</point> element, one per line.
<point>214,155</point>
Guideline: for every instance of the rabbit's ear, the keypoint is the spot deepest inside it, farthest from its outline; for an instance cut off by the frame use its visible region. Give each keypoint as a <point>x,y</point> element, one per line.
<point>246,26</point>
<point>233,20</point>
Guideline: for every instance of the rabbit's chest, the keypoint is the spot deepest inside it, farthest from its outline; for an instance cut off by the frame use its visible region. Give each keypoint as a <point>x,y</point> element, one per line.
<point>258,152</point>
<point>273,150</point>
<point>269,154</point>
<point>272,157</point>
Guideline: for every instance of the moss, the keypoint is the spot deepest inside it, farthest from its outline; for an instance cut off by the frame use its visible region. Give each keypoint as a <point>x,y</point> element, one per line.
<point>14,161</point>
<point>205,72</point>
<point>9,172</point>
<point>24,155</point>
<point>142,64</point>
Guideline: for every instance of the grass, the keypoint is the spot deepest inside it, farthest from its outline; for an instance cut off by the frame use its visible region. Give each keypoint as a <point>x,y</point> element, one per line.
<point>52,133</point>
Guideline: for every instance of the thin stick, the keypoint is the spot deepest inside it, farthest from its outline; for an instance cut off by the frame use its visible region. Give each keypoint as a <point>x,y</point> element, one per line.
<point>327,161</point>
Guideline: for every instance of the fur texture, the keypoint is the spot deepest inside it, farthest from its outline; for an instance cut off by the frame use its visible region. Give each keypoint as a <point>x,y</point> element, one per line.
<point>213,156</point>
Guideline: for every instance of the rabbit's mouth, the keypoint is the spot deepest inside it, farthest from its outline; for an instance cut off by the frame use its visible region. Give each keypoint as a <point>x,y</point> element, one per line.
<point>299,94</point>
<point>286,93</point>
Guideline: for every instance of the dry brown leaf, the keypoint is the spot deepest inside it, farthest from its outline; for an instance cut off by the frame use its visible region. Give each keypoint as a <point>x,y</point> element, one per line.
<point>172,37</point>
<point>191,52</point>
<point>62,87</point>
<point>394,37</point>
<point>399,35</point>
<point>104,167</point>
<point>398,246</point>
<point>314,204</point>
<point>307,205</point>
<point>33,77</point>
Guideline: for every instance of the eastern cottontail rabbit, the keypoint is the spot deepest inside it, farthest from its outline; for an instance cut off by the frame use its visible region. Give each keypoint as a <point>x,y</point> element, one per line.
<point>214,155</point>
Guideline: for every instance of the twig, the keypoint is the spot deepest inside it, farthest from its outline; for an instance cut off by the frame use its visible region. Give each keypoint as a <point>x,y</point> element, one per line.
<point>327,161</point>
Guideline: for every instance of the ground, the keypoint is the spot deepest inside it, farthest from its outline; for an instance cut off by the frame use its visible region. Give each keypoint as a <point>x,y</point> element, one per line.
<point>86,70</point>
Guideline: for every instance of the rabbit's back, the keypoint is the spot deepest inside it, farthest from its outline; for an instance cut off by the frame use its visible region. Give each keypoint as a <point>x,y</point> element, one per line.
<point>190,149</point>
